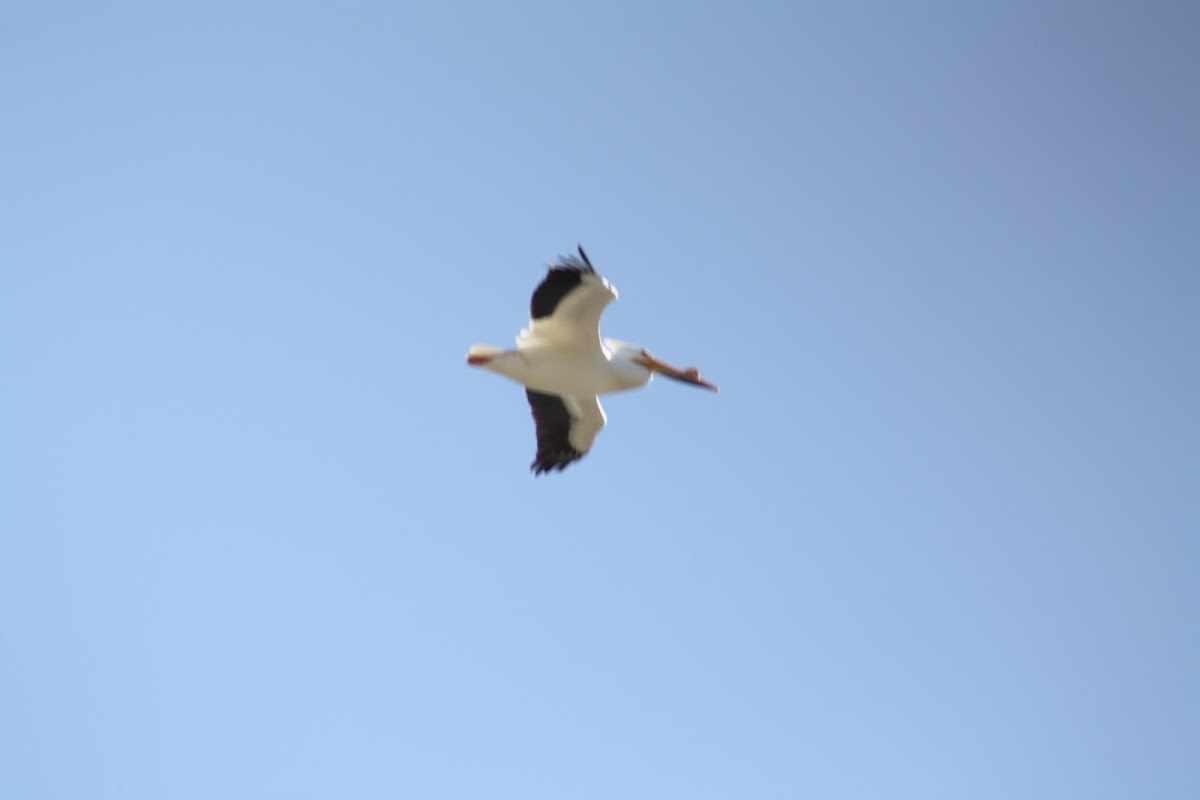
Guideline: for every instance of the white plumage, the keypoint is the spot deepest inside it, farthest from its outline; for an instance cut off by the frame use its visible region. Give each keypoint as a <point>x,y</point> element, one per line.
<point>564,365</point>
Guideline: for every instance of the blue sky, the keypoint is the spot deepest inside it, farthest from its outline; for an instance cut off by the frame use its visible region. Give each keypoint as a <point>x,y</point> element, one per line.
<point>265,535</point>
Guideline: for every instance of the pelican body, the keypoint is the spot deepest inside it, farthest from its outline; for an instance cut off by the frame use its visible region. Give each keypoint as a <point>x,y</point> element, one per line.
<point>565,366</point>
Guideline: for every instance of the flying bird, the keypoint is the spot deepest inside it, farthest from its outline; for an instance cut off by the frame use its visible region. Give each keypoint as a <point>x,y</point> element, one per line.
<point>564,365</point>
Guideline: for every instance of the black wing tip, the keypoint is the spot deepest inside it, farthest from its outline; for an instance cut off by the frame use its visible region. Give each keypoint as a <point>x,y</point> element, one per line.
<point>553,425</point>
<point>573,263</point>
<point>583,255</point>
<point>554,462</point>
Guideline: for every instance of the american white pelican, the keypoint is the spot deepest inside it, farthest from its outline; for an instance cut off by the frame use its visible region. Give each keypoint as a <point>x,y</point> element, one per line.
<point>564,365</point>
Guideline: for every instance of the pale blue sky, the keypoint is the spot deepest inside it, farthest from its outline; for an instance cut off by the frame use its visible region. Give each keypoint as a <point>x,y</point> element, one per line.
<point>264,535</point>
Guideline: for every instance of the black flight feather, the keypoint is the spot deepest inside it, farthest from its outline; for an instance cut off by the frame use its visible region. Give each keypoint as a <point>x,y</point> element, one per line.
<point>553,422</point>
<point>564,275</point>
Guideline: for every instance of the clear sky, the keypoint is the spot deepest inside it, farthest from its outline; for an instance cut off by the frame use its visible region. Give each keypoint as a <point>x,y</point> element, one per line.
<point>263,534</point>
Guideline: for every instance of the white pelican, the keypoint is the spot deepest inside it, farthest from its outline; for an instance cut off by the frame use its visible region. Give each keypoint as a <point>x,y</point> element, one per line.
<point>564,365</point>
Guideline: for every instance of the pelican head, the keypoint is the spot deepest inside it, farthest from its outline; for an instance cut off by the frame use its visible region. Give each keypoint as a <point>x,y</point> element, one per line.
<point>690,375</point>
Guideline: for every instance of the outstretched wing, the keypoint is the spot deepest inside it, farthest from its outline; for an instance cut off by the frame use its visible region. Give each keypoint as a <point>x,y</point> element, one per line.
<point>566,428</point>
<point>565,309</point>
